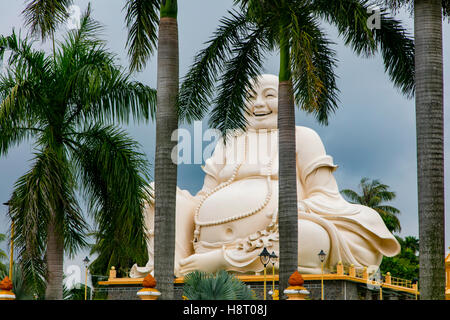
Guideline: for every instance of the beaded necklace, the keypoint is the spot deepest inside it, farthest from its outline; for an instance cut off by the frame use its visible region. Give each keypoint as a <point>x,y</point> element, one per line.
<point>199,224</point>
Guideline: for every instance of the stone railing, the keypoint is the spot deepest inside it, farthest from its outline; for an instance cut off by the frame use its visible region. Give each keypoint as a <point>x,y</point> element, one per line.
<point>363,275</point>
<point>340,272</point>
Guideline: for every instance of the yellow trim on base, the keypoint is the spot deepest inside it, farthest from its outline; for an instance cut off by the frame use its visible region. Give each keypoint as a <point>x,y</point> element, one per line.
<point>260,278</point>
<point>7,295</point>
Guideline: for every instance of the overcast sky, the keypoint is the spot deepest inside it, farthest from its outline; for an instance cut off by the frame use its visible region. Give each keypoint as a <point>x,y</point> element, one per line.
<point>371,135</point>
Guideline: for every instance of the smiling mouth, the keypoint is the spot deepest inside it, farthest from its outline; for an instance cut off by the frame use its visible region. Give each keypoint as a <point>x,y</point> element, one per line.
<point>261,114</point>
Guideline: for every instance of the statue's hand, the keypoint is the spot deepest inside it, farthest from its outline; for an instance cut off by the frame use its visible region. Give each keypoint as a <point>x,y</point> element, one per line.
<point>208,262</point>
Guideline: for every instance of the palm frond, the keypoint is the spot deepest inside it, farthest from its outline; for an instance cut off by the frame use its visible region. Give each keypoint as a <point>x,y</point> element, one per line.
<point>350,17</point>
<point>103,91</point>
<point>239,71</point>
<point>11,137</point>
<point>386,195</point>
<point>313,64</point>
<point>23,56</point>
<point>396,46</point>
<point>389,209</point>
<point>43,194</point>
<point>44,16</point>
<point>374,194</point>
<point>114,176</point>
<point>142,21</point>
<point>396,5</point>
<point>390,220</point>
<point>87,34</point>
<point>111,96</point>
<point>351,195</point>
<point>397,49</point>
<point>34,199</point>
<point>26,72</point>
<point>198,84</point>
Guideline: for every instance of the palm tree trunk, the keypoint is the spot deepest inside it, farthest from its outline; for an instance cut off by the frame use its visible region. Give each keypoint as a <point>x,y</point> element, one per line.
<point>165,168</point>
<point>287,194</point>
<point>55,259</point>
<point>430,146</point>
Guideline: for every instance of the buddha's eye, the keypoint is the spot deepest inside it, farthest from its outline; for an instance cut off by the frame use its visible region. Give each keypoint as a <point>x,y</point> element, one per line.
<point>270,94</point>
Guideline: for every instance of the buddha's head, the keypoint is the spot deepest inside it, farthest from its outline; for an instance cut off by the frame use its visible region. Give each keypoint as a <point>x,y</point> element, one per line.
<point>262,106</point>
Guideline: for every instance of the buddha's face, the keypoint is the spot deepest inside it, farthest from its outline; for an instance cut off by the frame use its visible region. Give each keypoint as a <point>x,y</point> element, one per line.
<point>262,106</point>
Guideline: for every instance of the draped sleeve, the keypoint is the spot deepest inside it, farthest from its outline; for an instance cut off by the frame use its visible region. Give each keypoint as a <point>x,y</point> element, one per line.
<point>323,200</point>
<point>311,153</point>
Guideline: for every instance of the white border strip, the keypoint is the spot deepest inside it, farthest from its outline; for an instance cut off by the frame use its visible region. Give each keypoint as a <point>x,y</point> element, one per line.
<point>296,291</point>
<point>149,293</point>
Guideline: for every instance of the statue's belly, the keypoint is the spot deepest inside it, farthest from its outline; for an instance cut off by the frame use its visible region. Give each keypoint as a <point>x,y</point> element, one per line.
<point>237,199</point>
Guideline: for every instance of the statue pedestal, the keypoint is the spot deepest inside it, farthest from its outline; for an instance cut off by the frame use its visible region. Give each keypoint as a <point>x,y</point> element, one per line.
<point>7,295</point>
<point>296,293</point>
<point>336,287</point>
<point>148,294</point>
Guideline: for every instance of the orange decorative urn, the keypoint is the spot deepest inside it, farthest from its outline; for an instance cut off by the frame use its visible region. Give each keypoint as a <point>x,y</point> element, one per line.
<point>6,290</point>
<point>296,290</point>
<point>149,292</point>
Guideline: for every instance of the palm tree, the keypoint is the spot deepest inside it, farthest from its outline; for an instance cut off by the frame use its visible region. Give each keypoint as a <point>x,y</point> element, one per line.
<point>143,22</point>
<point>374,194</point>
<point>219,286</point>
<point>65,104</point>
<point>306,77</point>
<point>142,19</point>
<point>430,140</point>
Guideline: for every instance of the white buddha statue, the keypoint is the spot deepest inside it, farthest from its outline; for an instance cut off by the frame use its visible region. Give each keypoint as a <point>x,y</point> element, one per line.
<point>227,224</point>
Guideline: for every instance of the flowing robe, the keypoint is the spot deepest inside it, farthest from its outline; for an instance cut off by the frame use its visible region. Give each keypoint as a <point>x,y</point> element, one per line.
<point>236,210</point>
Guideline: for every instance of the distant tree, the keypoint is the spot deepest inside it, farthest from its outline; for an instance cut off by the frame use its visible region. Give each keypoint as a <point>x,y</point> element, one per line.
<point>2,254</point>
<point>412,243</point>
<point>218,286</point>
<point>374,195</point>
<point>406,264</point>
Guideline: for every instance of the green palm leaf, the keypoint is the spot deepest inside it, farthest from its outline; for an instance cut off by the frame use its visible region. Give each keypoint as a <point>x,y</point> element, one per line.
<point>238,73</point>
<point>142,20</point>
<point>114,176</point>
<point>54,101</point>
<point>43,16</point>
<point>219,286</point>
<point>197,87</point>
